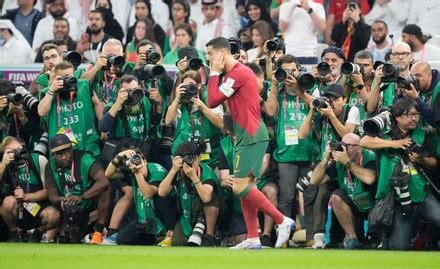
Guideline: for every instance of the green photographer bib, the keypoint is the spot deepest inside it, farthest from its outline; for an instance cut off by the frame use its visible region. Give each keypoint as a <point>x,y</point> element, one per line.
<point>27,179</point>
<point>145,208</point>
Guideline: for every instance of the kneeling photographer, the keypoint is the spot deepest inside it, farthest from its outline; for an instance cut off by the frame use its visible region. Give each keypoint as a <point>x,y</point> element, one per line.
<point>77,185</point>
<point>355,170</point>
<point>195,121</point>
<point>404,155</point>
<point>198,202</point>
<point>23,198</point>
<point>155,215</point>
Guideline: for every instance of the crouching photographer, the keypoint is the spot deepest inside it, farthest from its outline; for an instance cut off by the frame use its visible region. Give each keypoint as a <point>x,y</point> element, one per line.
<point>404,155</point>
<point>23,198</point>
<point>198,201</point>
<point>355,171</point>
<point>155,216</point>
<point>76,184</point>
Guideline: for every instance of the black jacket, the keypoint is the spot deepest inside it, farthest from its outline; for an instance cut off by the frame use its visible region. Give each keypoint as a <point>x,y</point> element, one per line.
<point>359,40</point>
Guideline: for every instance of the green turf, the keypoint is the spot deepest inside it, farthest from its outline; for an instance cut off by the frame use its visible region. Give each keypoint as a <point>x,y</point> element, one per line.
<point>50,256</point>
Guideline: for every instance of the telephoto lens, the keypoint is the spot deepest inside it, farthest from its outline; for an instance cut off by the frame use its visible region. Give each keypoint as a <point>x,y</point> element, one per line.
<point>376,124</point>
<point>320,102</point>
<point>194,64</point>
<point>234,43</point>
<point>150,71</point>
<point>117,61</point>
<point>135,95</point>
<point>73,57</point>
<point>153,56</point>
<point>305,81</point>
<point>15,98</point>
<point>281,75</point>
<point>273,44</point>
<point>195,240</point>
<point>323,69</point>
<point>348,68</point>
<point>167,140</point>
<point>43,144</point>
<point>136,159</point>
<point>304,182</point>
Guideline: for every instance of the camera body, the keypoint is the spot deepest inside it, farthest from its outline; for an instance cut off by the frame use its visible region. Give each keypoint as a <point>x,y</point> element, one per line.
<point>194,64</point>
<point>417,149</point>
<point>390,73</point>
<point>234,43</point>
<point>150,71</point>
<point>274,44</point>
<point>135,95</point>
<point>153,57</point>
<point>73,57</point>
<point>20,154</point>
<point>336,145</point>
<point>69,85</point>
<point>320,102</point>
<point>191,90</point>
<point>406,82</point>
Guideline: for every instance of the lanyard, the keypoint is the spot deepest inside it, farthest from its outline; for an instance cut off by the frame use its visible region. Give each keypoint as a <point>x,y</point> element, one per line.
<point>8,127</point>
<point>72,176</point>
<point>108,86</point>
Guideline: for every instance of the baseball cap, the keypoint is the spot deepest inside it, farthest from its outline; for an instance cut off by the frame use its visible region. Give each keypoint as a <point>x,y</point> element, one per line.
<point>59,142</point>
<point>334,90</point>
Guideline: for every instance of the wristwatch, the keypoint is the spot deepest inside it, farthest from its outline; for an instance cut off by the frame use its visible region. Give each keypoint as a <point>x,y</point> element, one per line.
<point>348,164</point>
<point>310,11</point>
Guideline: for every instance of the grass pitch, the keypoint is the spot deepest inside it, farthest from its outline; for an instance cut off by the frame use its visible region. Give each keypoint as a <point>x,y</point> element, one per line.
<point>50,256</point>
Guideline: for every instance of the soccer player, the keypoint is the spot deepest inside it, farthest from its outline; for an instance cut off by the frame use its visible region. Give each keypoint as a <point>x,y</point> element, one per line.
<point>238,85</point>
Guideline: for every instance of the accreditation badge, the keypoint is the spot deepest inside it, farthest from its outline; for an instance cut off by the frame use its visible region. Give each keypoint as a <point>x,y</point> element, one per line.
<point>291,135</point>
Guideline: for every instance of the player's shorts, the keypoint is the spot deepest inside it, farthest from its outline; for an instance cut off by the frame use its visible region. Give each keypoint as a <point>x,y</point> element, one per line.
<point>248,159</point>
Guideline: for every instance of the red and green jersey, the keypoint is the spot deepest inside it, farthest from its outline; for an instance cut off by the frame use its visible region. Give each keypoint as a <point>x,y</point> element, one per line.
<point>239,86</point>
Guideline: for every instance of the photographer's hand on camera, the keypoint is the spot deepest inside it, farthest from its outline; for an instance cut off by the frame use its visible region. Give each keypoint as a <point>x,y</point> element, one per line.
<point>341,156</point>
<point>378,74</point>
<point>72,199</point>
<point>190,172</point>
<point>177,164</point>
<point>3,102</point>
<point>199,104</point>
<point>402,143</point>
<point>57,84</point>
<point>100,62</point>
<point>122,97</point>
<point>155,96</point>
<point>412,93</point>
<point>182,65</point>
<point>179,91</point>
<point>327,112</point>
<point>357,80</point>
<point>141,59</point>
<point>8,157</point>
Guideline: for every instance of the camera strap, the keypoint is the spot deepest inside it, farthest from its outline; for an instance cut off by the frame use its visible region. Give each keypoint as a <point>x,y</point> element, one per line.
<point>193,124</point>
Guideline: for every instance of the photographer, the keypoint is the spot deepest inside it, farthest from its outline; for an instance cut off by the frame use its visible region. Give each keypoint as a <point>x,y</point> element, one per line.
<point>291,105</point>
<point>26,206</point>
<point>18,113</point>
<point>273,49</point>
<point>143,178</point>
<point>68,105</point>
<point>195,121</point>
<point>356,173</point>
<point>105,73</point>
<point>196,185</point>
<point>51,57</point>
<point>131,116</point>
<point>404,155</point>
<point>401,58</point>
<point>77,185</point>
<point>329,70</point>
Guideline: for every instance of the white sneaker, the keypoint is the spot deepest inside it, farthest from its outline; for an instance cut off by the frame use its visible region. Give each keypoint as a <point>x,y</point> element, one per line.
<point>248,244</point>
<point>319,239</point>
<point>284,230</point>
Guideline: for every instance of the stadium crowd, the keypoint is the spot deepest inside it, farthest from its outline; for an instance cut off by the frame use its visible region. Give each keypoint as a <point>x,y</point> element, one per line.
<point>292,123</point>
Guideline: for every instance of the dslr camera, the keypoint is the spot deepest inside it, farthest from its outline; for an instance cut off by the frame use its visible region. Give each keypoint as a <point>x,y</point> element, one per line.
<point>348,68</point>
<point>417,149</point>
<point>167,140</point>
<point>323,69</point>
<point>374,125</point>
<point>390,73</point>
<point>69,85</point>
<point>234,43</point>
<point>336,145</point>
<point>135,95</point>
<point>320,102</point>
<point>274,44</point>
<point>406,82</point>
<point>305,80</point>
<point>117,61</point>
<point>191,90</point>
<point>15,98</point>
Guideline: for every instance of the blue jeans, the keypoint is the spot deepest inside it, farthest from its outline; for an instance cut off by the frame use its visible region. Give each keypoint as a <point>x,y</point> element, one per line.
<point>400,238</point>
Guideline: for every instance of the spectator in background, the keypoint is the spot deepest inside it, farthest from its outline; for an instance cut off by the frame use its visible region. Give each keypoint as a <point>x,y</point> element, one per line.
<point>160,12</point>
<point>55,10</point>
<point>180,12</point>
<point>25,18</point>
<point>335,13</point>
<point>121,10</point>
<point>143,10</point>
<point>214,25</point>
<point>413,36</point>
<point>352,35</point>
<point>302,19</point>
<point>14,48</point>
<point>112,26</point>
<point>184,37</point>
<point>425,15</point>
<point>379,34</point>
<point>257,10</point>
<point>91,43</point>
<point>61,30</point>
<point>394,12</point>
<point>260,32</point>
<point>143,30</point>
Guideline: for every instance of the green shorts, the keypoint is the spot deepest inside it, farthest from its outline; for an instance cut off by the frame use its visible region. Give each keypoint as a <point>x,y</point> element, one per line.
<point>248,159</point>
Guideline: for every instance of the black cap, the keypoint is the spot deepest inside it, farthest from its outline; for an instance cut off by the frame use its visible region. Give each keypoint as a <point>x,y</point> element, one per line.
<point>189,51</point>
<point>59,142</point>
<point>335,50</point>
<point>334,90</point>
<point>413,29</point>
<point>211,2</point>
